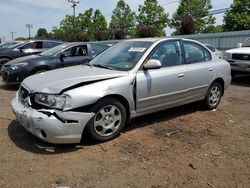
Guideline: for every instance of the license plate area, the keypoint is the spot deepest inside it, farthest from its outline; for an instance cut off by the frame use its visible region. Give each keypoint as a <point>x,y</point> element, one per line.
<point>242,65</point>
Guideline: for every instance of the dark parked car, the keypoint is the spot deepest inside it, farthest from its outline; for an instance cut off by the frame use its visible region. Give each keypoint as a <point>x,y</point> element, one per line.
<point>9,44</point>
<point>24,49</point>
<point>67,54</point>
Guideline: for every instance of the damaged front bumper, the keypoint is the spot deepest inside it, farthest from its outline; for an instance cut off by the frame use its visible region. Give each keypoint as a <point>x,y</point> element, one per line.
<point>52,125</point>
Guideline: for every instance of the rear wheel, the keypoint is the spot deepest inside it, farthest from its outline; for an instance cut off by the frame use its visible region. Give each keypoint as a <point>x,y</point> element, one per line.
<point>213,96</point>
<point>109,120</point>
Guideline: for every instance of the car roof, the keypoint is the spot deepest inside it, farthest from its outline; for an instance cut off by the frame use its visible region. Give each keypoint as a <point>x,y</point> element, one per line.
<point>159,39</point>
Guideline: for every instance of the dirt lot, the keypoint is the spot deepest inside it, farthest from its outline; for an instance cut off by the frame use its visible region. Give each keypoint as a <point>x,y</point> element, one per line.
<point>181,147</point>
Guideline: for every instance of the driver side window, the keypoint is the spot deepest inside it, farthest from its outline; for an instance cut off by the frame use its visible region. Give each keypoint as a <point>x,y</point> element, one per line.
<point>76,51</point>
<point>168,53</point>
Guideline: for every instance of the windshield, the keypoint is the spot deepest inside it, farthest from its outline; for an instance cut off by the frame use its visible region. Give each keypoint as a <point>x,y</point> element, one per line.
<point>247,43</point>
<point>11,45</point>
<point>8,45</point>
<point>122,56</point>
<point>54,50</point>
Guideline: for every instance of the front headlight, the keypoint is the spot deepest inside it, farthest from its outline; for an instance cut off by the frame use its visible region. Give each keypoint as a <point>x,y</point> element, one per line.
<point>227,55</point>
<point>19,65</point>
<point>52,101</point>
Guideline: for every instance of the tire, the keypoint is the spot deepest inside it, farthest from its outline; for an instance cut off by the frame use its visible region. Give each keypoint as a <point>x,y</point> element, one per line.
<point>213,96</point>
<point>110,118</point>
<point>4,60</point>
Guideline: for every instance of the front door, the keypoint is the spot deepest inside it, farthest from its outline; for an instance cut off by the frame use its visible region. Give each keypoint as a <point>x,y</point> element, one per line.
<point>164,87</point>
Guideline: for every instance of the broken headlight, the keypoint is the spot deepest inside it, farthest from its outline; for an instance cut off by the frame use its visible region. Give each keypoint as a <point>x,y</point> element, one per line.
<point>51,100</point>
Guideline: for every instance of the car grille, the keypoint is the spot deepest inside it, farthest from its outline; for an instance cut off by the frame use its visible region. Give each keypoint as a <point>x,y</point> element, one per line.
<point>6,65</point>
<point>22,93</point>
<point>245,57</point>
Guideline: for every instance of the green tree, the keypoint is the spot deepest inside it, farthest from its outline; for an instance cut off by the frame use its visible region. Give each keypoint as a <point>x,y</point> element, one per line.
<point>90,25</point>
<point>199,10</point>
<point>238,18</point>
<point>67,31</point>
<point>152,19</point>
<point>93,25</point>
<point>42,34</point>
<point>214,29</point>
<point>122,21</point>
<point>99,26</point>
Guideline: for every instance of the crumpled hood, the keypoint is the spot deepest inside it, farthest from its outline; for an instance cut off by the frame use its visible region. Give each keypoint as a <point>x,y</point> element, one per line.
<point>245,50</point>
<point>60,79</point>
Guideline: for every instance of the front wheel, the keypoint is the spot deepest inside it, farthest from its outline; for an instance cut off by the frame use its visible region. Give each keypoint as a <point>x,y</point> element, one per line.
<point>213,96</point>
<point>3,61</point>
<point>109,120</point>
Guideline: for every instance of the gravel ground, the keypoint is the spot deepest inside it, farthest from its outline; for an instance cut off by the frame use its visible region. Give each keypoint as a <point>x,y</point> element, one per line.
<point>181,147</point>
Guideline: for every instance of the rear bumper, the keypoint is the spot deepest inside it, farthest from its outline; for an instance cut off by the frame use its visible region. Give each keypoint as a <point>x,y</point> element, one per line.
<point>51,125</point>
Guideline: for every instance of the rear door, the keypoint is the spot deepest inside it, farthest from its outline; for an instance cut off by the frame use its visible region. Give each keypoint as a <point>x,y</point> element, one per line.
<point>164,87</point>
<point>199,69</point>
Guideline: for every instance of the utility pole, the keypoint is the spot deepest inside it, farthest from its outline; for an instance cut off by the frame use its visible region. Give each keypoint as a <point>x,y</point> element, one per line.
<point>29,26</point>
<point>74,4</point>
<point>12,35</point>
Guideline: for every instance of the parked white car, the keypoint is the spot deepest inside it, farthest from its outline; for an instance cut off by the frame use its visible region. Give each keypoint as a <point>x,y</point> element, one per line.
<point>239,58</point>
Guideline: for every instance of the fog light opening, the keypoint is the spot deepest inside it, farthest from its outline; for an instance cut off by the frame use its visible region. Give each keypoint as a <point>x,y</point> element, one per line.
<point>43,133</point>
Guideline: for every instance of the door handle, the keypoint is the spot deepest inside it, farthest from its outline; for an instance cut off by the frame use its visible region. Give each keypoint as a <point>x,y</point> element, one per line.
<point>211,69</point>
<point>181,75</point>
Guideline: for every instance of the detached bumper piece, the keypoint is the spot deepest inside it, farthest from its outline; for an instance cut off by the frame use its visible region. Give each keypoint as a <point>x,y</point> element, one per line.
<point>51,125</point>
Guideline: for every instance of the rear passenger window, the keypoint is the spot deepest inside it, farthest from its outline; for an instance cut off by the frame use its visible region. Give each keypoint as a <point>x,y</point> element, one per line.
<point>168,53</point>
<point>195,53</point>
<point>32,45</point>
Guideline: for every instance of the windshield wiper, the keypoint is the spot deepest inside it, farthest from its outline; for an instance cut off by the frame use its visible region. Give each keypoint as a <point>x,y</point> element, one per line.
<point>103,66</point>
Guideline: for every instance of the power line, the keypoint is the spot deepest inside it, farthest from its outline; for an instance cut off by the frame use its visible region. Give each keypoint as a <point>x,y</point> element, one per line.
<point>171,2</point>
<point>219,11</point>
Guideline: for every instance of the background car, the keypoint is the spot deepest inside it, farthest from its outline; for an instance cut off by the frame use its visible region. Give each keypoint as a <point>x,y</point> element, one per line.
<point>9,44</point>
<point>239,58</point>
<point>67,54</point>
<point>215,50</point>
<point>24,49</point>
<point>130,79</point>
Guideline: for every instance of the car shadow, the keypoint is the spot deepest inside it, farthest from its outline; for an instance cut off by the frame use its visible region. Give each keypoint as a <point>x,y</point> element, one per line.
<point>164,115</point>
<point>26,141</point>
<point>12,87</point>
<point>241,80</point>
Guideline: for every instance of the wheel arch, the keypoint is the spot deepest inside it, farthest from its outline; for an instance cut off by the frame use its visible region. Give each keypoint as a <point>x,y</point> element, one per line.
<point>40,68</point>
<point>7,56</point>
<point>221,82</point>
<point>124,102</point>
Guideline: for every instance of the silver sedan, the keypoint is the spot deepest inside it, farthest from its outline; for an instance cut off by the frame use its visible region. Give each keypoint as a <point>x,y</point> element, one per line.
<point>130,79</point>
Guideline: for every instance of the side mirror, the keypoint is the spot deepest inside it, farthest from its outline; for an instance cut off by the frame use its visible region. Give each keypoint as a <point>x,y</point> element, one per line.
<point>21,49</point>
<point>239,45</point>
<point>61,56</point>
<point>152,64</point>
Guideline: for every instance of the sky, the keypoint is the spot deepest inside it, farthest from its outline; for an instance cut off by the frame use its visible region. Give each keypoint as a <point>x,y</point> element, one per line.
<point>15,14</point>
